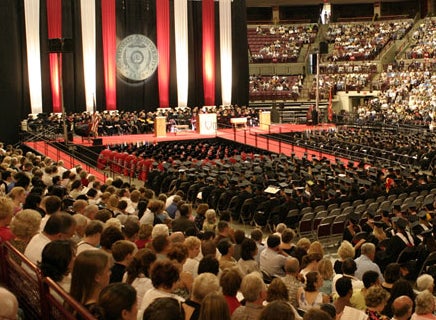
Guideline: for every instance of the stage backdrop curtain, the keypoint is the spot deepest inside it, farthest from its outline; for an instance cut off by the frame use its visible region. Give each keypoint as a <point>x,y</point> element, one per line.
<point>225,14</point>
<point>182,57</point>
<point>208,15</point>
<point>109,37</point>
<point>87,13</point>
<point>163,47</point>
<point>31,13</point>
<point>54,26</point>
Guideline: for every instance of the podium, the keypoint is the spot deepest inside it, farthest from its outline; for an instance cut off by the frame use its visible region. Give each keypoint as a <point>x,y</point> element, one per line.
<point>160,127</point>
<point>264,120</point>
<point>206,123</point>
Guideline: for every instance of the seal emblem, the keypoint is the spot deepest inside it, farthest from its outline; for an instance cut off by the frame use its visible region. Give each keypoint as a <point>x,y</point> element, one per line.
<point>137,57</point>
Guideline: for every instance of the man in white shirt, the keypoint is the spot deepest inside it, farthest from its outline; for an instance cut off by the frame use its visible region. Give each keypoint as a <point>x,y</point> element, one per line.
<point>60,226</point>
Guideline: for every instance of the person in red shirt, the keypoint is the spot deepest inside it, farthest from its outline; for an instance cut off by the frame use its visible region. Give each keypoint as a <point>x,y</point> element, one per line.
<point>230,282</point>
<point>6,214</point>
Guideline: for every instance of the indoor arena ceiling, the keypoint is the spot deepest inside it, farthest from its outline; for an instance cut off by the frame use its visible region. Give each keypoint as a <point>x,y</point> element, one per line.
<point>269,3</point>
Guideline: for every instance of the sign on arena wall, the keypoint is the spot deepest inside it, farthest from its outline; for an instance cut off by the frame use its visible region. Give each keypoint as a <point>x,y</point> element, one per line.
<point>137,57</point>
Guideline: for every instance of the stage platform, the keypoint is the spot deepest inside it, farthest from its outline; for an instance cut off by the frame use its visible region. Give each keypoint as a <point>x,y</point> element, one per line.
<point>250,136</point>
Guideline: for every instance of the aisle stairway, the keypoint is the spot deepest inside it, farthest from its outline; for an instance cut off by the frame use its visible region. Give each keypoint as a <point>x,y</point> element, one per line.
<point>70,161</point>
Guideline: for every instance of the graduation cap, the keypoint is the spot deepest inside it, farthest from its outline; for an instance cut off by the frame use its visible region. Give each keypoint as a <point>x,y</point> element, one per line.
<point>257,169</point>
<point>422,215</point>
<point>370,213</point>
<point>379,224</point>
<point>272,190</point>
<point>428,201</point>
<point>283,185</point>
<point>401,223</point>
<point>288,191</point>
<point>244,184</point>
<point>416,227</point>
<point>412,205</point>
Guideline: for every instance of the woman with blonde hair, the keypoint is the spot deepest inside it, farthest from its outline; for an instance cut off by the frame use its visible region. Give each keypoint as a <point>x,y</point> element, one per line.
<point>18,196</point>
<point>345,251</point>
<point>24,225</point>
<point>316,247</point>
<point>211,222</point>
<point>325,269</point>
<point>191,264</point>
<point>6,214</point>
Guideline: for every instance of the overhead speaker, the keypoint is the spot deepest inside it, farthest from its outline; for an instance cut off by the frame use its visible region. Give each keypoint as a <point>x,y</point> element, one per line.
<point>323,47</point>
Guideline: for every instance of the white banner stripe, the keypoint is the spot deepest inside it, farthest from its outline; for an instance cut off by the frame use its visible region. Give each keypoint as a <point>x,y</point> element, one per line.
<point>182,58</point>
<point>31,13</point>
<point>87,13</point>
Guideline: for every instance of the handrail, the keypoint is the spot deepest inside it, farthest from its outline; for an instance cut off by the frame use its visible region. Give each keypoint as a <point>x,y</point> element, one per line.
<point>46,301</point>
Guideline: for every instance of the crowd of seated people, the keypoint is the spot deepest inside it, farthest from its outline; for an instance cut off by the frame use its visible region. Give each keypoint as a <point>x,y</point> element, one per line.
<point>407,148</point>
<point>281,43</point>
<point>138,122</point>
<point>340,82</point>
<point>363,41</point>
<point>406,96</point>
<point>277,87</point>
<point>129,265</point>
<point>346,67</point>
<point>422,40</point>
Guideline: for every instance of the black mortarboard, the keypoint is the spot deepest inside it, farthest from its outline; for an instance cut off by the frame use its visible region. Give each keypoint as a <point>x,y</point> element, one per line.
<point>422,215</point>
<point>379,224</point>
<point>370,213</point>
<point>401,223</point>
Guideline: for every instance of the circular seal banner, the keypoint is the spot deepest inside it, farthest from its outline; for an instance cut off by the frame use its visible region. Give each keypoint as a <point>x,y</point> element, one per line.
<point>137,57</point>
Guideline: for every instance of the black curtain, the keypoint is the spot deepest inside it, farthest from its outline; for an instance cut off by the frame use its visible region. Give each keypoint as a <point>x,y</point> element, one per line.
<point>240,53</point>
<point>195,53</point>
<point>14,92</point>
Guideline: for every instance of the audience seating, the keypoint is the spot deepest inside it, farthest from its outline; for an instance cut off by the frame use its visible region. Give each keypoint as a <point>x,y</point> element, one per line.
<point>39,297</point>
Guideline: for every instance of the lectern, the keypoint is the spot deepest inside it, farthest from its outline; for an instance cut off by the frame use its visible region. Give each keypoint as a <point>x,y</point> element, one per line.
<point>160,127</point>
<point>206,123</point>
<point>264,120</point>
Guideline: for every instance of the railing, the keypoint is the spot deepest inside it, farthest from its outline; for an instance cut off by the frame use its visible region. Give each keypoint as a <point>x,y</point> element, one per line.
<point>39,297</point>
<point>52,147</point>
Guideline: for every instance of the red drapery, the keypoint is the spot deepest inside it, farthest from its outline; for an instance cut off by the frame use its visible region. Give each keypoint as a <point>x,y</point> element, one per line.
<point>163,46</point>
<point>54,25</point>
<point>108,21</point>
<point>208,16</point>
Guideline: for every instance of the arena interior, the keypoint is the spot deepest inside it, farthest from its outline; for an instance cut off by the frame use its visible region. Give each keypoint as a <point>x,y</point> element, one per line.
<point>218,159</point>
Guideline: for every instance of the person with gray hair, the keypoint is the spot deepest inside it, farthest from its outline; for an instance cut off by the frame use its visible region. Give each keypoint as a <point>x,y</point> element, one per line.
<point>292,279</point>
<point>254,290</point>
<point>425,282</point>
<point>160,230</point>
<point>204,284</point>
<point>424,306</point>
<point>8,304</point>
<point>366,261</point>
